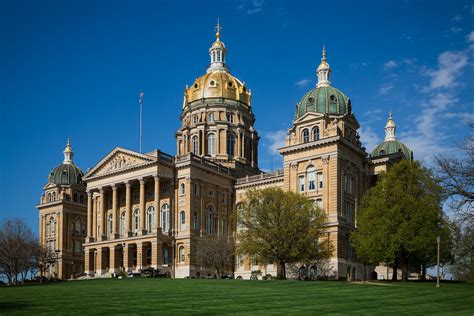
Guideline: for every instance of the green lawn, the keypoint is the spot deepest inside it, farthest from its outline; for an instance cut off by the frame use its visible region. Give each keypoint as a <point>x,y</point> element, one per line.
<point>171,296</point>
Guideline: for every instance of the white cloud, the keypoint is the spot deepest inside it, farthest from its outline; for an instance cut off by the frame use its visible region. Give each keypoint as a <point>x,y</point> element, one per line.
<point>470,37</point>
<point>275,140</point>
<point>457,18</point>
<point>456,29</point>
<point>369,138</point>
<point>464,117</point>
<point>372,112</point>
<point>390,65</point>
<point>450,65</point>
<point>409,61</point>
<point>255,7</point>
<point>302,83</point>
<point>385,88</point>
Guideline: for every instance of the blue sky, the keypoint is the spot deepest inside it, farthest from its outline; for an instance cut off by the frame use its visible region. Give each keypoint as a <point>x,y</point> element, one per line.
<point>75,68</point>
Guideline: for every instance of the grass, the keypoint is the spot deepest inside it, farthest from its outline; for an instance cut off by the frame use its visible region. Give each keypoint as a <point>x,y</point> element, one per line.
<point>177,296</point>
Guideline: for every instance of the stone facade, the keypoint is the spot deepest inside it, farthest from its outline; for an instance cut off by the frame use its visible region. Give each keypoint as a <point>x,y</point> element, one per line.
<point>149,210</point>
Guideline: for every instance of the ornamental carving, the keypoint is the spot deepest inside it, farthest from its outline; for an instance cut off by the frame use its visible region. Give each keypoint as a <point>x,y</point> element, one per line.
<point>119,161</point>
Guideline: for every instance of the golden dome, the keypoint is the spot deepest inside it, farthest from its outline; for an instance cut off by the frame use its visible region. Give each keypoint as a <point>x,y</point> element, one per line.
<point>217,84</point>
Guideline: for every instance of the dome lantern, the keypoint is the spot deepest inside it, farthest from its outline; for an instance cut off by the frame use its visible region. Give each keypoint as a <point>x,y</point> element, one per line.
<point>390,128</point>
<point>217,53</point>
<point>67,173</point>
<point>323,71</point>
<point>68,153</point>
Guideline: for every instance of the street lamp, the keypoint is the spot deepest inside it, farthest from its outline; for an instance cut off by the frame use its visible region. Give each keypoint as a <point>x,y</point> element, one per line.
<point>438,240</point>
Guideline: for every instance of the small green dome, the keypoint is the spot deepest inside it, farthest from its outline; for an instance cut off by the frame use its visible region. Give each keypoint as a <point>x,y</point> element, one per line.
<point>391,147</point>
<point>66,174</point>
<point>324,100</point>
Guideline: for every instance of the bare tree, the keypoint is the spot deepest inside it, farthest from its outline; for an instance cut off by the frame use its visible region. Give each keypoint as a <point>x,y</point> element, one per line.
<point>215,253</point>
<point>17,246</point>
<point>43,259</point>
<point>456,174</point>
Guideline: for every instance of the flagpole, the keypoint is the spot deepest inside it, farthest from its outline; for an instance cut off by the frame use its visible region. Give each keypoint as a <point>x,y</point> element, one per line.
<point>141,99</point>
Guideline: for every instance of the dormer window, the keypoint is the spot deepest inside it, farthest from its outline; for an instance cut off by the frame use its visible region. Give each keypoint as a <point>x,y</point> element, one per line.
<point>210,117</point>
<point>212,83</point>
<point>195,119</point>
<point>305,136</point>
<point>230,118</point>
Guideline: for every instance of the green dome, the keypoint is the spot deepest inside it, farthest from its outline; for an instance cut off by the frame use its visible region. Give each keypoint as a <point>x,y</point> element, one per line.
<point>391,147</point>
<point>324,100</point>
<point>66,174</point>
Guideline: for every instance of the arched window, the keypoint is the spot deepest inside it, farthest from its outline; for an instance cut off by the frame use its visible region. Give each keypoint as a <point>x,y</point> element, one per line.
<point>213,56</point>
<point>247,148</point>
<point>182,220</point>
<point>305,135</point>
<point>230,144</point>
<point>111,225</point>
<point>195,145</point>
<point>195,220</point>
<point>81,198</point>
<point>210,220</point>
<point>54,196</point>
<point>136,216</point>
<point>122,224</point>
<point>52,224</point>
<point>165,217</point>
<point>148,257</point>
<point>230,118</point>
<point>182,189</point>
<point>77,227</point>
<point>49,197</point>
<point>181,254</point>
<point>210,118</point>
<point>151,218</point>
<point>311,175</point>
<point>316,133</point>
<point>211,144</point>
<point>165,256</point>
<point>48,228</point>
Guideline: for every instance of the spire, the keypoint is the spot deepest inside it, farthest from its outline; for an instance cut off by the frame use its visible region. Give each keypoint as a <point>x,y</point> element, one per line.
<point>217,52</point>
<point>68,153</point>
<point>390,128</point>
<point>323,71</point>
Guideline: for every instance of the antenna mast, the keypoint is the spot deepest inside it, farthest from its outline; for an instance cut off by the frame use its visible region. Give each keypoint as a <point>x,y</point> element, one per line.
<point>141,99</point>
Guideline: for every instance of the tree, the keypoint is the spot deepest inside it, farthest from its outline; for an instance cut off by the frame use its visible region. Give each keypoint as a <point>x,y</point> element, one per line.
<point>462,267</point>
<point>281,227</point>
<point>399,219</point>
<point>456,174</point>
<point>216,254</point>
<point>17,247</point>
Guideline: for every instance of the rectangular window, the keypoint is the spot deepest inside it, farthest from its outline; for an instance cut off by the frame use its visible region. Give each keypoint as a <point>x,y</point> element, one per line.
<point>320,180</point>
<point>311,181</point>
<point>196,189</point>
<point>319,203</point>
<point>301,183</point>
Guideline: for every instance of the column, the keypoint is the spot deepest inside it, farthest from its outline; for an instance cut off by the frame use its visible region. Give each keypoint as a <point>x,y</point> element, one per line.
<point>127,256</point>
<point>87,262</point>
<point>113,259</point>
<point>128,207</point>
<point>58,232</point>
<point>115,216</point>
<point>142,207</point>
<point>218,211</point>
<point>99,262</point>
<point>41,226</point>
<point>157,204</point>
<point>155,252</point>
<point>94,218</point>
<point>239,144</point>
<point>140,256</point>
<point>103,219</point>
<point>89,216</point>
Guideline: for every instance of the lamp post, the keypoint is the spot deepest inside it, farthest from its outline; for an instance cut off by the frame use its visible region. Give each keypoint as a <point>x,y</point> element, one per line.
<point>438,240</point>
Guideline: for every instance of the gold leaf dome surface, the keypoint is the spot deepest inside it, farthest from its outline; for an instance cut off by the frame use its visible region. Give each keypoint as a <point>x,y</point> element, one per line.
<point>218,84</point>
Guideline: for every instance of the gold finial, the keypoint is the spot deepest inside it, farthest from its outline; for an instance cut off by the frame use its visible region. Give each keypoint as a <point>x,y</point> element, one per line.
<point>218,30</point>
<point>323,53</point>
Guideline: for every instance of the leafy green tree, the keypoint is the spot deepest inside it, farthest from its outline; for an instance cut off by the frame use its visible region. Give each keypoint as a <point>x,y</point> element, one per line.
<point>281,227</point>
<point>462,267</point>
<point>400,218</point>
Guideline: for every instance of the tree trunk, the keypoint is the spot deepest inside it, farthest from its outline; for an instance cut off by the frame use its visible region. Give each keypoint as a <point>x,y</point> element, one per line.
<point>365,273</point>
<point>423,272</point>
<point>394,272</point>
<point>405,271</point>
<point>281,273</point>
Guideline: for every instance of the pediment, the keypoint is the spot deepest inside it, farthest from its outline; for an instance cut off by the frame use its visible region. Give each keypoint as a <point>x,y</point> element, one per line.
<point>117,160</point>
<point>49,185</point>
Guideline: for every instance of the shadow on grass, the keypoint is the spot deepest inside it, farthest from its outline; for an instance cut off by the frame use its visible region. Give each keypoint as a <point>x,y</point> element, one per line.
<point>13,306</point>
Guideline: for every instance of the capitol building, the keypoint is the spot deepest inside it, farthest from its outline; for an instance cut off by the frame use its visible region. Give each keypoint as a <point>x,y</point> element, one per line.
<point>133,211</point>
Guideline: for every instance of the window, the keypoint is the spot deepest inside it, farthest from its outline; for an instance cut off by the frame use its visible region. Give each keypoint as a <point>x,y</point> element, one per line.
<point>230,118</point>
<point>52,224</point>
<point>348,182</point>
<point>224,226</point>
<point>148,257</point>
<point>195,220</point>
<point>182,221</point>
<point>136,216</point>
<point>165,217</point>
<point>305,135</point>
<point>301,183</point>
<point>77,227</point>
<point>151,218</point>
<point>211,144</point>
<point>81,198</point>
<point>49,197</point>
<point>122,224</point>
<point>224,198</point>
<point>210,220</point>
<point>196,189</point>
<point>111,225</point>
<point>320,180</point>
<point>210,117</point>
<point>311,173</point>
<point>213,56</point>
<point>182,189</point>
<point>319,203</point>
<point>316,133</point>
<point>195,145</point>
<point>54,196</point>
<point>230,144</point>
<point>75,197</point>
<point>195,119</point>
<point>210,193</point>
<point>165,256</point>
<point>181,254</point>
